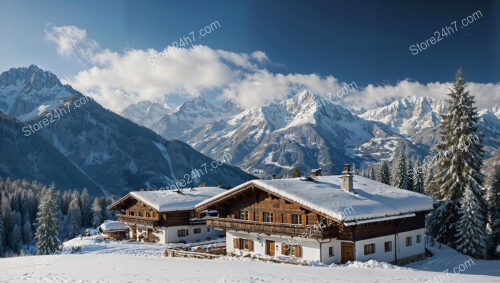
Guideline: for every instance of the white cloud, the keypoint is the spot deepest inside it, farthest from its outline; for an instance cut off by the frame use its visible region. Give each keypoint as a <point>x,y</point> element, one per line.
<point>118,79</point>
<point>69,39</point>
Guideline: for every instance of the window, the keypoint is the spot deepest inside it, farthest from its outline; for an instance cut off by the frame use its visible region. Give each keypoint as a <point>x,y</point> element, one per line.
<point>148,214</point>
<point>291,250</point>
<point>296,219</point>
<point>196,230</point>
<point>388,246</point>
<point>131,212</point>
<point>139,213</point>
<point>182,232</point>
<point>408,241</point>
<point>330,251</point>
<point>268,217</point>
<point>244,215</point>
<point>243,244</point>
<point>369,249</point>
<point>419,239</point>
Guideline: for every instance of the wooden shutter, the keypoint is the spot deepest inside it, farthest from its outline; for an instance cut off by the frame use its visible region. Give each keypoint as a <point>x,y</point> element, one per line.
<point>250,245</point>
<point>260,216</point>
<point>278,218</point>
<point>288,218</point>
<point>298,251</point>
<point>237,243</point>
<point>283,248</point>
<point>304,219</point>
<point>187,232</point>
<point>251,215</point>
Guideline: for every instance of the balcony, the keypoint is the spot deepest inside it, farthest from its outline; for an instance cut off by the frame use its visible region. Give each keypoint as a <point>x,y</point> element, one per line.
<point>134,220</point>
<point>287,229</point>
<point>197,221</point>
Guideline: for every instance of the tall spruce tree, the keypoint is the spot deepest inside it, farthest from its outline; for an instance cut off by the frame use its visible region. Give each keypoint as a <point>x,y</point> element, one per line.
<point>384,174</point>
<point>48,221</point>
<point>296,171</point>
<point>409,173</point>
<point>458,162</point>
<point>399,172</point>
<point>1,234</point>
<point>494,208</point>
<point>86,209</point>
<point>418,179</point>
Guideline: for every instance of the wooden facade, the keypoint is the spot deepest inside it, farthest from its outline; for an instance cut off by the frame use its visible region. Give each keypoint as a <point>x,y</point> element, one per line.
<point>254,209</point>
<point>136,213</point>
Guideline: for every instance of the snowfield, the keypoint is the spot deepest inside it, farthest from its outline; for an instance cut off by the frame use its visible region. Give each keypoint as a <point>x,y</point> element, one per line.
<point>139,262</point>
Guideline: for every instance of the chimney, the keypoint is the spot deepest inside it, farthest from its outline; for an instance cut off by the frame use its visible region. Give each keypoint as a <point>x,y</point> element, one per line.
<point>316,172</point>
<point>219,184</point>
<point>347,183</point>
<point>274,176</point>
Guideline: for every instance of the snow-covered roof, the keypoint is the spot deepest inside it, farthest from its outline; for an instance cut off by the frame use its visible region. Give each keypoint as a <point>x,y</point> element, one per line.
<point>113,226</point>
<point>371,199</point>
<point>173,200</point>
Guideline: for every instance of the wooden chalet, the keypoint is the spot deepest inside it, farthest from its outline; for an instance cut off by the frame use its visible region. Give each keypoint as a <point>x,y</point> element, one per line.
<point>166,216</point>
<point>329,219</point>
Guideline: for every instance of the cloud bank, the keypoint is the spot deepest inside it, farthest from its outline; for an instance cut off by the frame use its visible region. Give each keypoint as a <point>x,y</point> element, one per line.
<point>118,79</point>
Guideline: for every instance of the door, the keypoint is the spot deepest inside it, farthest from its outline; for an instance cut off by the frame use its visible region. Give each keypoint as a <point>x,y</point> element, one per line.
<point>347,252</point>
<point>270,248</point>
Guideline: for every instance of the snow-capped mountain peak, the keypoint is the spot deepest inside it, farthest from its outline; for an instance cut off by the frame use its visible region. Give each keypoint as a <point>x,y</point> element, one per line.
<point>26,92</point>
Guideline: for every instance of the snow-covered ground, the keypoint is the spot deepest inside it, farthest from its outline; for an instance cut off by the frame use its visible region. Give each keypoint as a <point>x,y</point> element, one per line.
<point>140,262</point>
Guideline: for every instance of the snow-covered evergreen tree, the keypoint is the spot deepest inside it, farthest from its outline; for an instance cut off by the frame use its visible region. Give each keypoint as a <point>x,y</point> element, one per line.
<point>458,175</point>
<point>494,208</point>
<point>16,238</point>
<point>409,173</point>
<point>74,219</point>
<point>470,237</point>
<point>86,209</point>
<point>384,174</point>
<point>48,221</point>
<point>399,172</point>
<point>96,213</point>
<point>430,187</point>
<point>27,232</point>
<point>1,235</point>
<point>418,179</point>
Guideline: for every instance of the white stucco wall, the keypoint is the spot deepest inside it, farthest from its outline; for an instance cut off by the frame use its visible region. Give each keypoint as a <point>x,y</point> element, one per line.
<point>402,250</point>
<point>310,247</point>
<point>314,250</point>
<point>206,232</point>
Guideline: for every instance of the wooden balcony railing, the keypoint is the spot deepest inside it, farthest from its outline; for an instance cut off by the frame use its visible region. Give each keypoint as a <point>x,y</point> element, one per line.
<point>294,230</point>
<point>149,222</point>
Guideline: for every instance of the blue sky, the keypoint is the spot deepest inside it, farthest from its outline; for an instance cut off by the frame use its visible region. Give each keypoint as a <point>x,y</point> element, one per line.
<point>366,42</point>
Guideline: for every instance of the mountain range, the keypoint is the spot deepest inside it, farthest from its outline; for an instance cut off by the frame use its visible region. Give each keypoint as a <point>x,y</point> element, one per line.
<point>102,150</point>
<point>310,131</point>
<point>151,146</point>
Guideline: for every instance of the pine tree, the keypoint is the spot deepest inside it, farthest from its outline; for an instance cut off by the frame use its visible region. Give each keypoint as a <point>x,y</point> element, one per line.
<point>296,171</point>
<point>48,221</point>
<point>97,213</point>
<point>471,225</point>
<point>494,208</point>
<point>400,173</point>
<point>429,185</point>
<point>1,234</point>
<point>16,238</point>
<point>458,175</point>
<point>418,179</point>
<point>27,232</point>
<point>409,173</point>
<point>74,218</point>
<point>86,209</point>
<point>384,174</point>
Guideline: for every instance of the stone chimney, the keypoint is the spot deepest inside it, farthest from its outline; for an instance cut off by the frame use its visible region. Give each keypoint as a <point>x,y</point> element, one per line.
<point>347,183</point>
<point>316,172</point>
